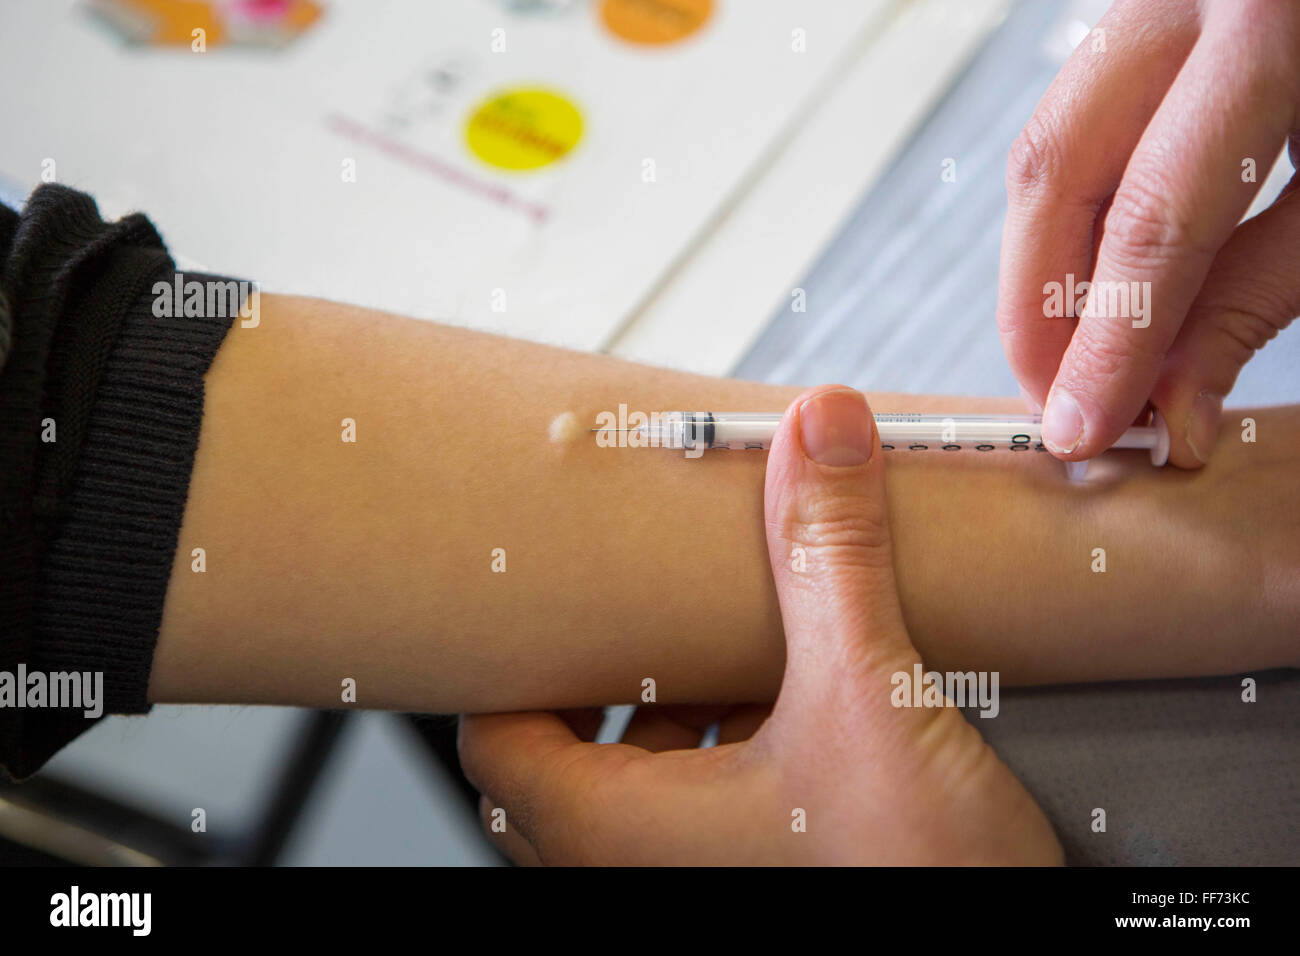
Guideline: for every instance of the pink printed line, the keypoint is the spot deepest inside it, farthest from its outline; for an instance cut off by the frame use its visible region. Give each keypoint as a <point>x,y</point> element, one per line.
<point>431,164</point>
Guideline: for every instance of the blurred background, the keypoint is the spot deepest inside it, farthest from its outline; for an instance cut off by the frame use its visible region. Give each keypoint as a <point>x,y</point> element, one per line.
<point>785,191</point>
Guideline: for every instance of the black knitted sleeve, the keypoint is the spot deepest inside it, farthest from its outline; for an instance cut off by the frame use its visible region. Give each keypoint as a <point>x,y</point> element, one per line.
<point>100,405</point>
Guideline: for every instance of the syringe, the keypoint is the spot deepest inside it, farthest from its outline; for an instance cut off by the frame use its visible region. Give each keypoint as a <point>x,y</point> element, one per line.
<point>697,431</point>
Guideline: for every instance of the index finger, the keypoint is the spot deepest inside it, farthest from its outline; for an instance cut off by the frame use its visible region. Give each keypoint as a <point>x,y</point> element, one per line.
<point>1181,196</point>
<point>1065,165</point>
<point>516,760</point>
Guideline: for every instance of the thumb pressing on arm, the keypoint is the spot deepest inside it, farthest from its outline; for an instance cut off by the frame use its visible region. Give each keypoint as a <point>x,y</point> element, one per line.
<point>912,784</point>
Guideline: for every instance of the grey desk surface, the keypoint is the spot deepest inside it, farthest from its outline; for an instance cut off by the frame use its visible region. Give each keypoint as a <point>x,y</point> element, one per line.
<point>903,300</point>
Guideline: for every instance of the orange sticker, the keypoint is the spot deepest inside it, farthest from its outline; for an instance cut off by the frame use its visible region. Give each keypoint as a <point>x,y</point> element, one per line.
<point>654,22</point>
<point>267,23</point>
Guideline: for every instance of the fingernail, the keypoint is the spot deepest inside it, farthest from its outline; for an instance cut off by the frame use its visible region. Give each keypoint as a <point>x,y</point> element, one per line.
<point>1203,424</point>
<point>1031,403</point>
<point>1062,422</point>
<point>835,428</point>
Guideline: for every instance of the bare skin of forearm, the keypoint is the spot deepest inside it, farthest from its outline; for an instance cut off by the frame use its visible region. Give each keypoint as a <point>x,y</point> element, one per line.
<point>374,560</point>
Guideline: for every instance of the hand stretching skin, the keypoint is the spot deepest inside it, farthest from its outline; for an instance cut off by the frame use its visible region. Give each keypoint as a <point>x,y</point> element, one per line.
<point>872,783</point>
<point>1133,169</point>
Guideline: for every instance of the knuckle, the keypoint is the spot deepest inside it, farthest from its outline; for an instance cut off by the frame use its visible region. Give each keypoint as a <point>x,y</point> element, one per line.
<point>844,531</point>
<point>1245,331</point>
<point>1036,159</point>
<point>1261,307</point>
<point>1098,365</point>
<point>1099,356</point>
<point>1145,228</point>
<point>584,796</point>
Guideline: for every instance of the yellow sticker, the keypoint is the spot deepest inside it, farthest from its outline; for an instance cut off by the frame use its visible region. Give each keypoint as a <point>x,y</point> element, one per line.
<point>654,22</point>
<point>523,129</point>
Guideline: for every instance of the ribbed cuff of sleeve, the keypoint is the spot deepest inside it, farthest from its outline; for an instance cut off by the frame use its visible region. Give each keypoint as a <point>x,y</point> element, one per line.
<point>106,572</point>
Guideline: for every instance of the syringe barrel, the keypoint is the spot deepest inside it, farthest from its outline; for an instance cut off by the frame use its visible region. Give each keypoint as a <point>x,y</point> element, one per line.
<point>701,430</point>
<point>902,431</point>
<point>740,430</point>
<point>952,432</point>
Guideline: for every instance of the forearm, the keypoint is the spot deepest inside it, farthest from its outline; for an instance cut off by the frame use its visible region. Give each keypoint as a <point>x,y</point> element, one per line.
<point>373,560</point>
